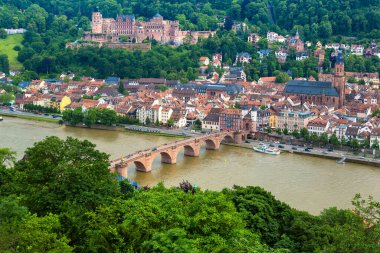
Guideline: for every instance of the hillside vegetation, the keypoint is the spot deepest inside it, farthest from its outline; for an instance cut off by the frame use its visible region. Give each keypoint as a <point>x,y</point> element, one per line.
<point>7,47</point>
<point>51,24</point>
<point>313,18</point>
<point>61,198</point>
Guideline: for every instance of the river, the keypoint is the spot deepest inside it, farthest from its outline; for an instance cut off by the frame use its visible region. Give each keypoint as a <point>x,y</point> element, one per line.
<point>306,183</point>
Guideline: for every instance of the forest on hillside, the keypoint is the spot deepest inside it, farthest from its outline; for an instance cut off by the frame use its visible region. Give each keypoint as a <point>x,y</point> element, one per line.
<point>51,24</point>
<point>325,17</point>
<point>61,198</point>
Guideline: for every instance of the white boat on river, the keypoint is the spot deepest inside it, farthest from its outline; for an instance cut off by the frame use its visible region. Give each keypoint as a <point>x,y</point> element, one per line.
<point>267,150</point>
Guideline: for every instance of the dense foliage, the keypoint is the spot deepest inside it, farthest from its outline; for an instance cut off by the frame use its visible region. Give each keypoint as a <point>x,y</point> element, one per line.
<point>94,116</point>
<point>313,18</point>
<point>39,108</point>
<point>61,198</point>
<point>53,23</point>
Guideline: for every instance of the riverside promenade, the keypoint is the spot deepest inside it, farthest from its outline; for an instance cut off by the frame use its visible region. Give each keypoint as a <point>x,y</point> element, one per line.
<point>316,152</point>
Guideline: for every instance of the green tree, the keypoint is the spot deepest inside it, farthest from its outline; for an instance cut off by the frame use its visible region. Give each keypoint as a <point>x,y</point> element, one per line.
<point>278,131</point>
<point>334,140</point>
<point>163,88</point>
<point>121,88</point>
<point>6,98</point>
<point>189,229</point>
<point>365,143</point>
<point>7,157</point>
<point>314,138</point>
<point>90,117</point>
<point>147,121</point>
<point>354,144</point>
<point>285,131</point>
<point>4,63</point>
<point>296,133</point>
<point>324,138</point>
<point>282,77</point>
<point>304,133</point>
<point>3,34</point>
<point>21,231</point>
<point>7,160</point>
<point>56,174</point>
<point>375,144</point>
<point>77,116</point>
<point>343,141</point>
<point>170,123</point>
<point>197,125</point>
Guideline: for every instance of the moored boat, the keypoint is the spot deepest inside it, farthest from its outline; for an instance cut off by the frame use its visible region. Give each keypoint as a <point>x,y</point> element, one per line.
<point>267,150</point>
<point>1,118</point>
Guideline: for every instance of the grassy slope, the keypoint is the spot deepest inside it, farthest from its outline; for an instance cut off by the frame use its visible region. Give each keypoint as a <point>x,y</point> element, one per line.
<point>6,47</point>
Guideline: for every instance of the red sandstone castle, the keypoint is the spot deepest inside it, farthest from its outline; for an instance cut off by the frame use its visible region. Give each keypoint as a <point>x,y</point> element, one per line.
<point>127,27</point>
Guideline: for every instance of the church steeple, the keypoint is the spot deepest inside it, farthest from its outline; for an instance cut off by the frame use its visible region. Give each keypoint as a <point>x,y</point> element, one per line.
<point>297,35</point>
<point>339,80</point>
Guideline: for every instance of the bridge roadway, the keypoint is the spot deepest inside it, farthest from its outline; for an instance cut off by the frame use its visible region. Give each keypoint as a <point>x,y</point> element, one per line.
<point>144,159</point>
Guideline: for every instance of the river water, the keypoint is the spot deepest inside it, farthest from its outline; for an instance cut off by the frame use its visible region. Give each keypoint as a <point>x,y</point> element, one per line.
<point>306,183</point>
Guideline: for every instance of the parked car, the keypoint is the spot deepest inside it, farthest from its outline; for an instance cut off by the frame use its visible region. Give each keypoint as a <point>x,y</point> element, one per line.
<point>325,152</point>
<point>271,145</point>
<point>330,149</point>
<point>294,148</point>
<point>307,150</point>
<point>246,141</point>
<point>281,146</point>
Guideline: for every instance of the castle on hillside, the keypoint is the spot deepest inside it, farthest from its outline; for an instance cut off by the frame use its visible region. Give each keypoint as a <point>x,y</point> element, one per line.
<point>125,28</point>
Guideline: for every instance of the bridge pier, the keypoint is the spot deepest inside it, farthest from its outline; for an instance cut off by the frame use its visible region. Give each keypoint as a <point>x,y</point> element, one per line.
<point>123,171</point>
<point>238,138</point>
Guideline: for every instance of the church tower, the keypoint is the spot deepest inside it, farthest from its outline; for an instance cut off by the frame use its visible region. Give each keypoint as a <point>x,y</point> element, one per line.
<point>97,23</point>
<point>339,80</point>
<point>297,35</point>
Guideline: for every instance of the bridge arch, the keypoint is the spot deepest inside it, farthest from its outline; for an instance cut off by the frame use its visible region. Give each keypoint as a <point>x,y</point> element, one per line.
<point>140,166</point>
<point>212,144</point>
<point>228,139</point>
<point>169,158</point>
<point>190,151</point>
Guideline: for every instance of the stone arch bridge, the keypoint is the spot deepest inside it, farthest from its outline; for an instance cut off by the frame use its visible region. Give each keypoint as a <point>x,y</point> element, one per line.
<point>143,160</point>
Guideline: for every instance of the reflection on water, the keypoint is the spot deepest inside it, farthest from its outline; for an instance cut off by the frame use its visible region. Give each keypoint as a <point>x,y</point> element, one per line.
<point>305,183</point>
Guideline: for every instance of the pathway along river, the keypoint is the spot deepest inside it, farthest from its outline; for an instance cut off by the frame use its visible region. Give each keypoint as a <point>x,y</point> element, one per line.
<point>306,183</point>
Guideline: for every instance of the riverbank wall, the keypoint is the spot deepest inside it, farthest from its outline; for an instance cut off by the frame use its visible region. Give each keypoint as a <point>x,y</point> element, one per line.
<point>370,162</point>
<point>27,117</point>
<point>122,128</point>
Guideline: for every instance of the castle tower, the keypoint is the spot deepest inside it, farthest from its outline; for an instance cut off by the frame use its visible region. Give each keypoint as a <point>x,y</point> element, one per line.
<point>339,79</point>
<point>97,22</point>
